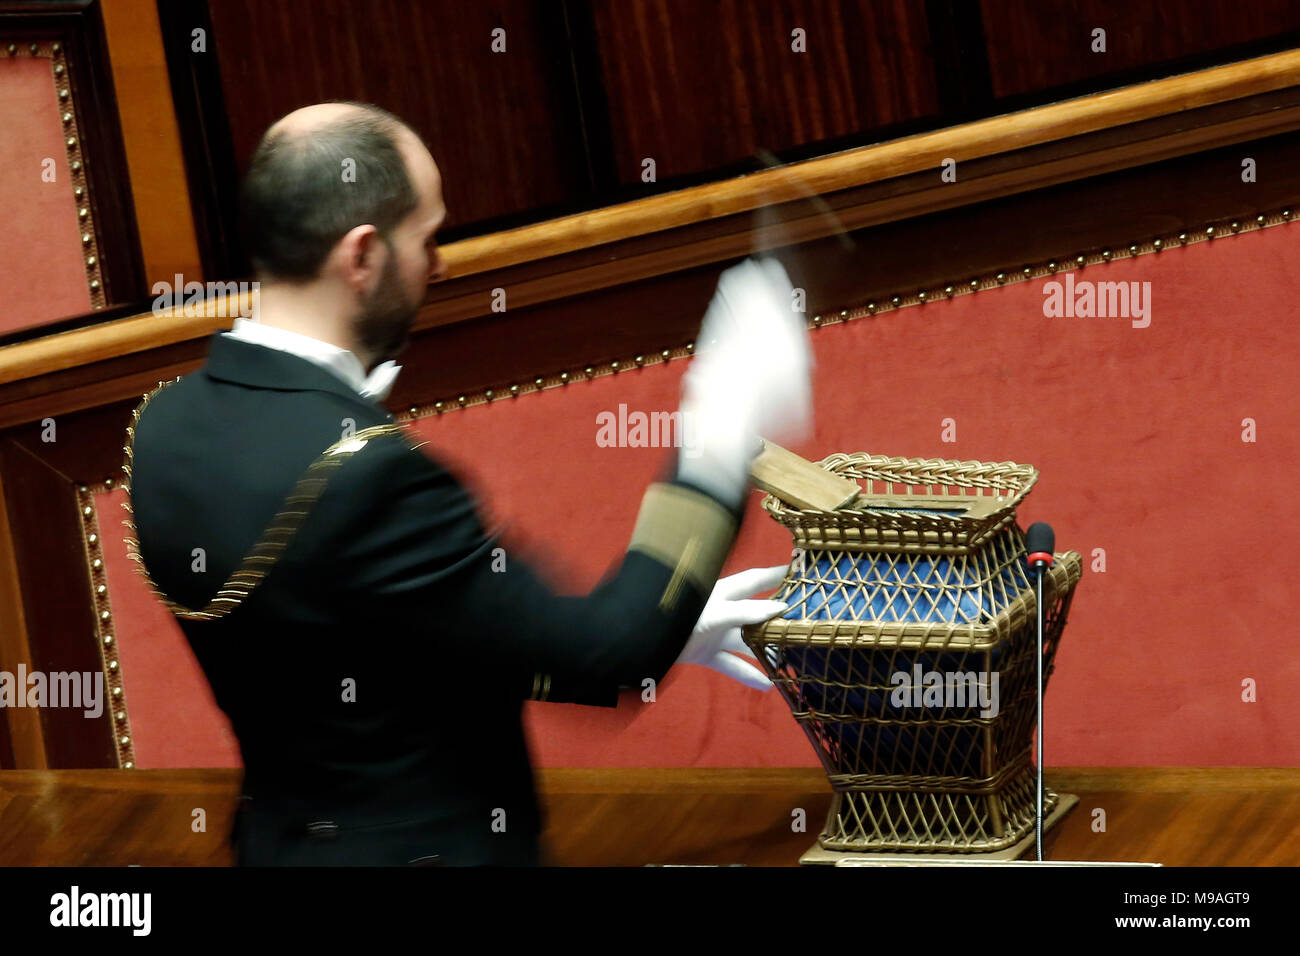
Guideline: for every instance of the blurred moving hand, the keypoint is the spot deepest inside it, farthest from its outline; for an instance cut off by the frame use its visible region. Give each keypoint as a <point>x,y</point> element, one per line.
<point>751,376</point>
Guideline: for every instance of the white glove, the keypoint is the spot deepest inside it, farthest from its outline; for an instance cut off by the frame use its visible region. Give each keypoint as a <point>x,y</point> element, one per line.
<point>751,376</point>
<point>717,633</point>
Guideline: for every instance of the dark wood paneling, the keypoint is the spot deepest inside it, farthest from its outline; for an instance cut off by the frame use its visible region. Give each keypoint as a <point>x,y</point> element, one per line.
<point>503,126</point>
<point>960,59</point>
<point>205,141</point>
<point>22,743</point>
<point>152,141</point>
<point>590,88</point>
<point>90,443</point>
<point>6,746</point>
<point>58,607</point>
<point>702,86</point>
<point>1035,47</point>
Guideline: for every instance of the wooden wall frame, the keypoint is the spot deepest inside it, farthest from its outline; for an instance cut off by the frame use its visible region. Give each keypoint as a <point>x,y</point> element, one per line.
<point>77,28</point>
<point>124,116</point>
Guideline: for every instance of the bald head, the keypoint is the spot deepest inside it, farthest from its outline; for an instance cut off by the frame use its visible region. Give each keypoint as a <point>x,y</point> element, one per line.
<point>310,118</point>
<point>342,203</point>
<point>320,172</point>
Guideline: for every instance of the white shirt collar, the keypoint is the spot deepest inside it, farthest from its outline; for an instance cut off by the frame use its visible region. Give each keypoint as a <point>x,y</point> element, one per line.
<point>340,361</point>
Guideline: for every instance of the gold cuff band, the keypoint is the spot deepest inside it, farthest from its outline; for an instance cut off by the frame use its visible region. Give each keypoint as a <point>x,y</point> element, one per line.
<point>684,530</point>
<point>541,687</point>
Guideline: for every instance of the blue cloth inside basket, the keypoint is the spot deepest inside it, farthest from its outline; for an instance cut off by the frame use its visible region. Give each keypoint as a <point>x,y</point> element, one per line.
<point>855,682</point>
<point>922,589</point>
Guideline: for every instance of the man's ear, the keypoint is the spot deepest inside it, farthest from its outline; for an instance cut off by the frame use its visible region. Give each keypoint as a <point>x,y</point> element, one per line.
<point>358,258</point>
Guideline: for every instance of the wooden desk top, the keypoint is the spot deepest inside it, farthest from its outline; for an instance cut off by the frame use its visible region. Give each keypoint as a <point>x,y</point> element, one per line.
<point>1223,816</point>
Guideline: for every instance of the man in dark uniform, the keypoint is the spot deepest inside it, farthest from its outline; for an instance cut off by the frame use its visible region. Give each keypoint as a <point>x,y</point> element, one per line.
<point>336,583</point>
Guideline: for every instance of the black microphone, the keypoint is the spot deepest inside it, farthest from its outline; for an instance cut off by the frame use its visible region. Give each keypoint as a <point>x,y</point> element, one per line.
<point>1040,542</point>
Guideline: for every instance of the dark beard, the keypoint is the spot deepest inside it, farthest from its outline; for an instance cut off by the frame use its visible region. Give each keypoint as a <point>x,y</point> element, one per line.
<point>384,326</point>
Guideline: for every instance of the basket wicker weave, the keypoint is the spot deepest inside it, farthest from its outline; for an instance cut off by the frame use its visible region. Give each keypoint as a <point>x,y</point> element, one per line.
<point>931,521</point>
<point>923,574</point>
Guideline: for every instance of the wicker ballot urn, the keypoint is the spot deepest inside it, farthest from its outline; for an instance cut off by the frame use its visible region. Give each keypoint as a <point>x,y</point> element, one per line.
<point>908,657</point>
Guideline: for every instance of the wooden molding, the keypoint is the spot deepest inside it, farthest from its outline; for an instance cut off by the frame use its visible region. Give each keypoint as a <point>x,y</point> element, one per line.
<point>152,140</point>
<point>22,730</point>
<point>57,610</point>
<point>72,34</point>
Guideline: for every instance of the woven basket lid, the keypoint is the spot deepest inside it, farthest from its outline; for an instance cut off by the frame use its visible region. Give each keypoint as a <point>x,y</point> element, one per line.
<point>927,505</point>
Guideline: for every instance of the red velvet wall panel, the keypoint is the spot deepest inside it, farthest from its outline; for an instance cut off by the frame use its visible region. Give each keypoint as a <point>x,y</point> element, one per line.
<point>43,276</point>
<point>1137,432</point>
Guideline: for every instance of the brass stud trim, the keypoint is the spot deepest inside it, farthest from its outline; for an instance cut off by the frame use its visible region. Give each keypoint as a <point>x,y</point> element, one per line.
<point>107,647</point>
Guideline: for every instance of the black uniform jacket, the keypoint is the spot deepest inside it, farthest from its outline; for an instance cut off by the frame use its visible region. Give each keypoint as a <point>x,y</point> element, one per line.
<point>368,638</point>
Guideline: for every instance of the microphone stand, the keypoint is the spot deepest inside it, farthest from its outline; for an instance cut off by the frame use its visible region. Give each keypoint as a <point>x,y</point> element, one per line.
<point>1038,804</point>
<point>1040,542</point>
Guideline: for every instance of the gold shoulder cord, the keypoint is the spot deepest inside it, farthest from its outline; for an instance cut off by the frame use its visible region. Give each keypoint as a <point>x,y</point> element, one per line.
<point>258,563</point>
